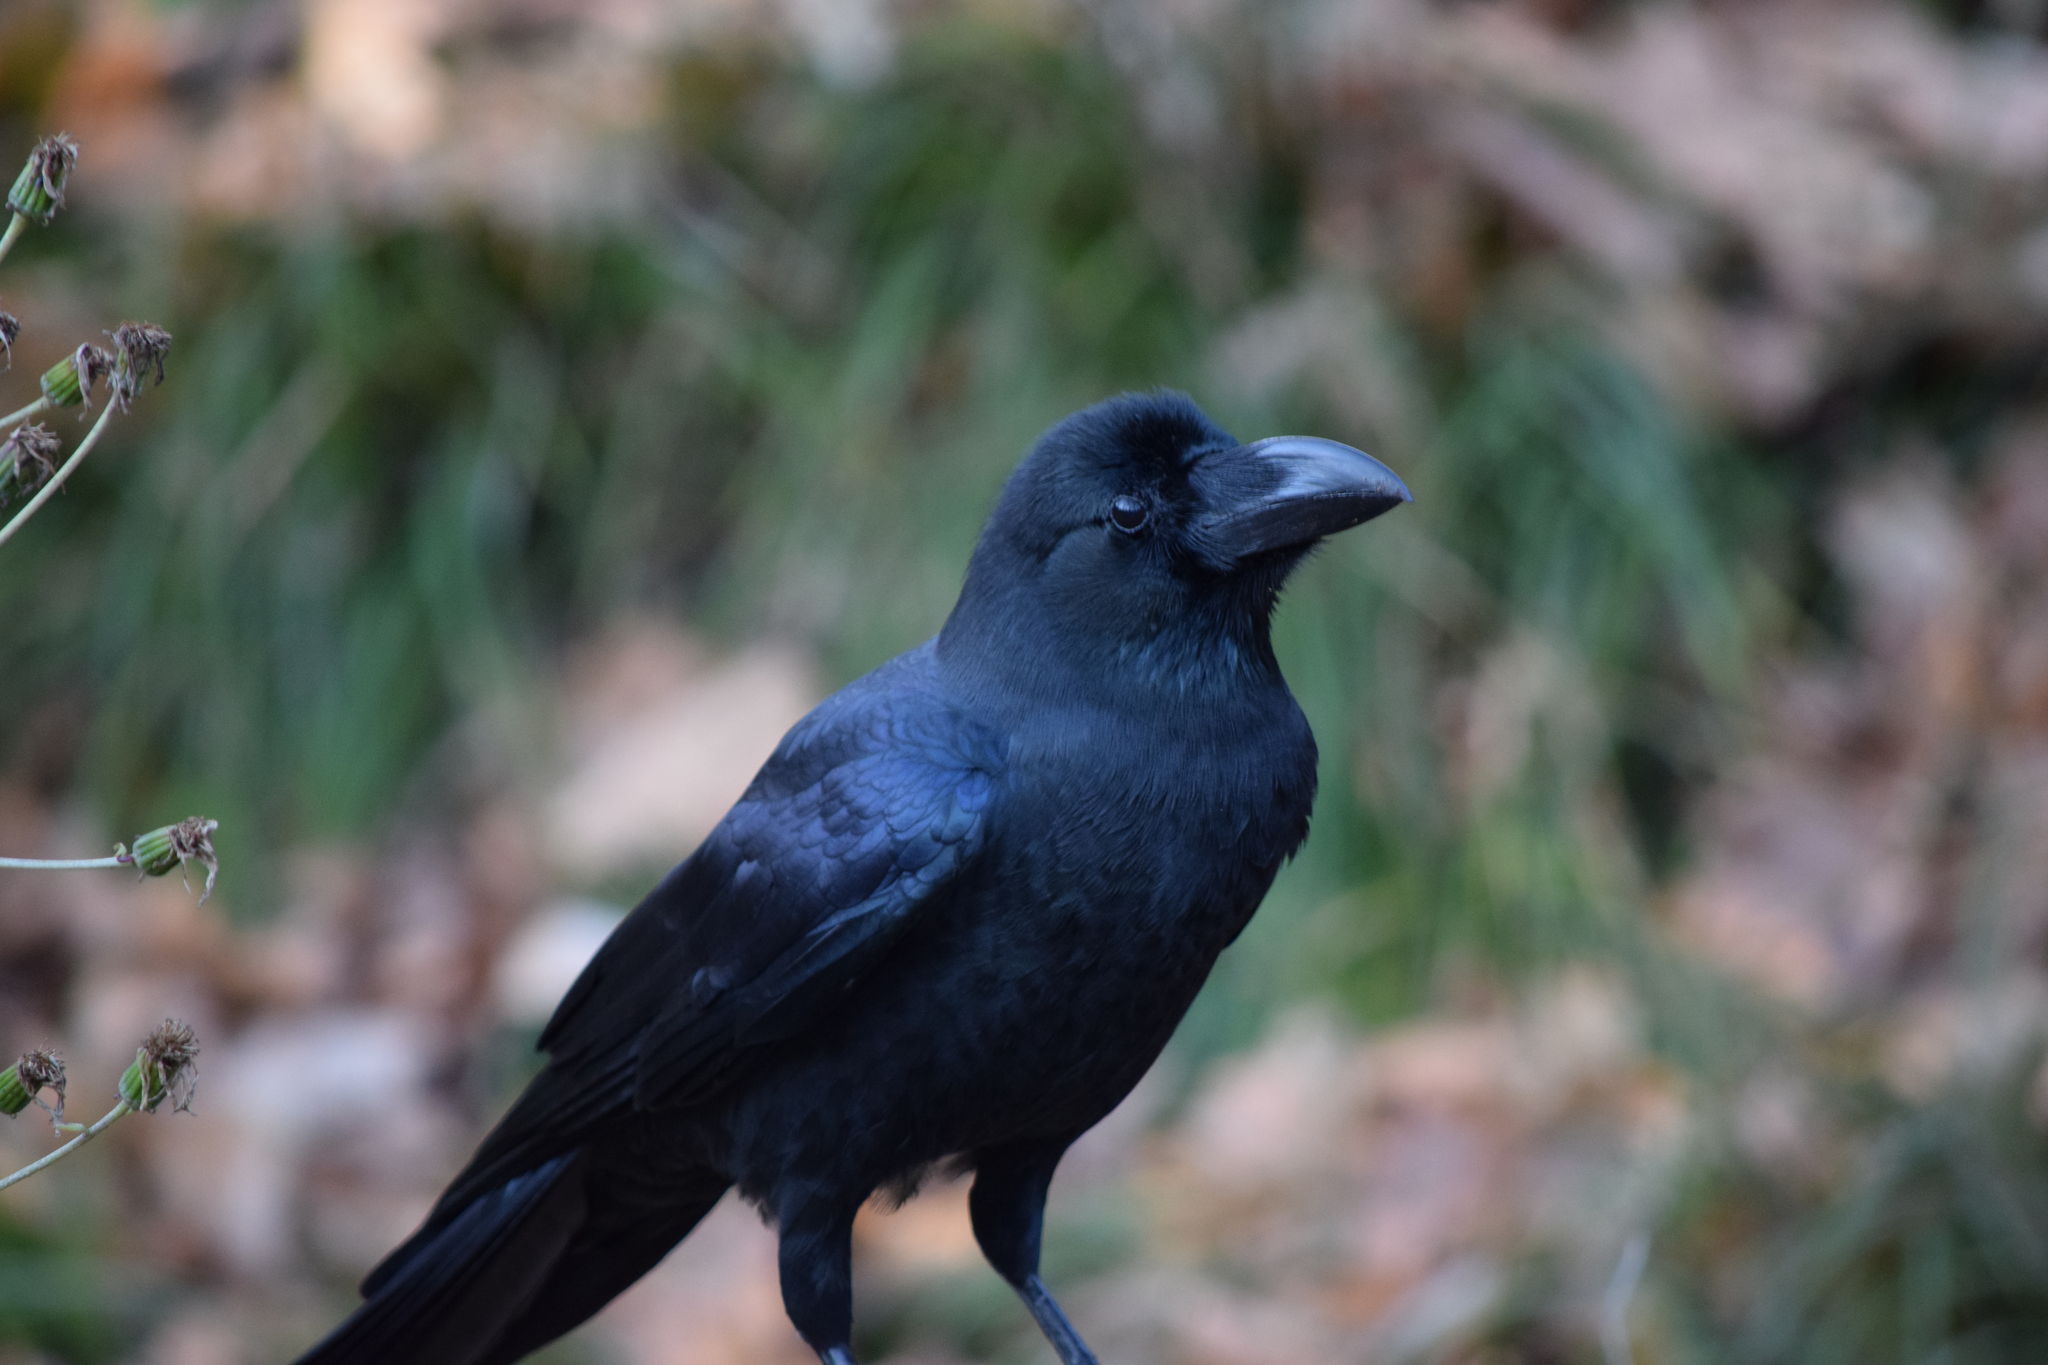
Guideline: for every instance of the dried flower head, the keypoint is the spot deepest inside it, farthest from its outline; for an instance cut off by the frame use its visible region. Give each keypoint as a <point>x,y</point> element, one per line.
<point>173,846</point>
<point>10,328</point>
<point>165,1067</point>
<point>25,1081</point>
<point>139,349</point>
<point>68,383</point>
<point>28,456</point>
<point>39,190</point>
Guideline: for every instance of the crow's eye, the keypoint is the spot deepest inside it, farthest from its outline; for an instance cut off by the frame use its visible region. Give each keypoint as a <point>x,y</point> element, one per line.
<point>1127,514</point>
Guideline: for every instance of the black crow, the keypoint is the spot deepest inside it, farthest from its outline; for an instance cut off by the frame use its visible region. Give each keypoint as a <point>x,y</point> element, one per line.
<point>954,919</point>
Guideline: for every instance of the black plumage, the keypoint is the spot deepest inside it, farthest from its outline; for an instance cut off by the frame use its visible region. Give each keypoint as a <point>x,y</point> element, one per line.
<point>955,916</point>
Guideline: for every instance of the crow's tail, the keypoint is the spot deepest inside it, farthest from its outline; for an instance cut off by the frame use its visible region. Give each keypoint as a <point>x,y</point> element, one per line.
<point>515,1269</point>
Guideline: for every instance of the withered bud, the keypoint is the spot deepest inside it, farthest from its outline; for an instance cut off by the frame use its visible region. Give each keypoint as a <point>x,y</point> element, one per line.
<point>68,383</point>
<point>139,349</point>
<point>165,1067</point>
<point>10,328</point>
<point>39,190</point>
<point>173,846</point>
<point>25,1081</point>
<point>27,457</point>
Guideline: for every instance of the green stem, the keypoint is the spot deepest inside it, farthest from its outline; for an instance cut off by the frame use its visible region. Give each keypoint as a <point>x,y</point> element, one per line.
<point>14,230</point>
<point>56,482</point>
<point>50,1159</point>
<point>63,864</point>
<point>22,414</point>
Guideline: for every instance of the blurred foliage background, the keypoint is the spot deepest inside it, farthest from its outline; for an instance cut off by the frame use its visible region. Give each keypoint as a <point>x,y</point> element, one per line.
<point>568,392</point>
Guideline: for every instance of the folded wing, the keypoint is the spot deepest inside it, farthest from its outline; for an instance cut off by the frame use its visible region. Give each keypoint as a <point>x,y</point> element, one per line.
<point>866,813</point>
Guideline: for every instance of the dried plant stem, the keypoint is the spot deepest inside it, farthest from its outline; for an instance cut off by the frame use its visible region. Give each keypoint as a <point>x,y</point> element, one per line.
<point>85,1135</point>
<point>22,414</point>
<point>57,480</point>
<point>14,230</point>
<point>64,864</point>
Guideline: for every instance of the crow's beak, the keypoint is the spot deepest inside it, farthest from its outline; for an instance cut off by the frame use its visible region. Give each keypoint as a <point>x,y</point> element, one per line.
<point>1287,491</point>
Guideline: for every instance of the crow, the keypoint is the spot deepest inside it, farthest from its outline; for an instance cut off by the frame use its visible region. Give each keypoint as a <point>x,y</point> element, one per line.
<point>953,920</point>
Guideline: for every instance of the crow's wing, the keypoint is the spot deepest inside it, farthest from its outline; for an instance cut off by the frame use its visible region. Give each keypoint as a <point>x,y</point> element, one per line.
<point>865,813</point>
<point>839,846</point>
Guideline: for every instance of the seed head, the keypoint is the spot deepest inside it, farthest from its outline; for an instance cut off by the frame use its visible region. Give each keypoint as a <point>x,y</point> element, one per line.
<point>25,1081</point>
<point>27,457</point>
<point>139,349</point>
<point>68,383</point>
<point>189,841</point>
<point>165,1067</point>
<point>39,190</point>
<point>10,328</point>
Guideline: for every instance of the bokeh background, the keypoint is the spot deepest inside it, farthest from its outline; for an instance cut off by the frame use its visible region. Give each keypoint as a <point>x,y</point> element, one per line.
<point>568,392</point>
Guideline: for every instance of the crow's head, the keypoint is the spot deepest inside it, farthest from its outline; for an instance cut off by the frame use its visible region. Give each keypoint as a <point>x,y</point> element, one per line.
<point>1140,520</point>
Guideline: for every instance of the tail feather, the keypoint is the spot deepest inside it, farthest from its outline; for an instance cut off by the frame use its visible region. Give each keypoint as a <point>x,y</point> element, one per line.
<point>616,1246</point>
<point>515,1268</point>
<point>449,1297</point>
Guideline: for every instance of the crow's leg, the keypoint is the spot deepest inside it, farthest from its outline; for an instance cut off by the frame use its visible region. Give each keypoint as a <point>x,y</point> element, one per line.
<point>816,1255</point>
<point>1008,1209</point>
<point>1053,1322</point>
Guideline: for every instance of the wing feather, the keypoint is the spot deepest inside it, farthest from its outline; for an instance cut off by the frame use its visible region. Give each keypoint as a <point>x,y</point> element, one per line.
<point>867,811</point>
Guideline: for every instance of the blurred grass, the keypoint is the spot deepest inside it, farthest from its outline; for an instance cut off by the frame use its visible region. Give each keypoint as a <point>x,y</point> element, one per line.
<point>399,465</point>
